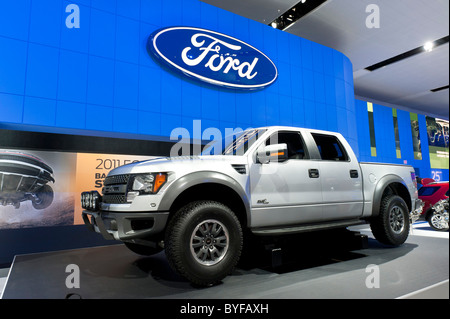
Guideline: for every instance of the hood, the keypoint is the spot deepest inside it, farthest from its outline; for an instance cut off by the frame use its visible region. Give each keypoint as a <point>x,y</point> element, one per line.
<point>169,164</point>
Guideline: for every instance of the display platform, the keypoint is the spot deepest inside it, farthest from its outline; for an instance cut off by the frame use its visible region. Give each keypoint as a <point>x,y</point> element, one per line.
<point>331,265</point>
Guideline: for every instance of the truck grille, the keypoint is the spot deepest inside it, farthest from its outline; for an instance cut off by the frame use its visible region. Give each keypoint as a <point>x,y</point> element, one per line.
<point>117,179</point>
<point>114,197</point>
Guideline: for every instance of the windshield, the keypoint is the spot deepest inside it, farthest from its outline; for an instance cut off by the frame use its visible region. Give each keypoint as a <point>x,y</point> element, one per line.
<point>235,144</point>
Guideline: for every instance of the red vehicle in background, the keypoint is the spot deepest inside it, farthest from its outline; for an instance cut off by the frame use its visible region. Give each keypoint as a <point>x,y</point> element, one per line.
<point>430,193</point>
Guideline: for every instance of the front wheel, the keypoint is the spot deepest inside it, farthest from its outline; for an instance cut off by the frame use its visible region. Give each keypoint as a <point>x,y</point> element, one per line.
<point>391,226</point>
<point>204,242</point>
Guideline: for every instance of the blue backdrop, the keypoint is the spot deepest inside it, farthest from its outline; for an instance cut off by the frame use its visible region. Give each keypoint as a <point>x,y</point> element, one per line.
<point>100,77</point>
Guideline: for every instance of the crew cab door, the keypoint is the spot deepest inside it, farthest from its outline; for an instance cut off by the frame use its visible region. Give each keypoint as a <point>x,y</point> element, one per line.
<point>285,192</point>
<point>340,176</point>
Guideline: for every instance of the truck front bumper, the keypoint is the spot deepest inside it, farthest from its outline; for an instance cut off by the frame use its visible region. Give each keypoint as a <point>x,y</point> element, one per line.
<point>125,226</point>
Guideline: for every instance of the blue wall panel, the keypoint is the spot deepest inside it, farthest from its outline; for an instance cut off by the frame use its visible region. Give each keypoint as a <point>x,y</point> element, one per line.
<point>127,40</point>
<point>100,81</point>
<point>79,39</point>
<point>70,114</point>
<point>126,85</point>
<point>385,139</point>
<point>42,74</point>
<point>104,67</point>
<point>72,77</point>
<point>129,8</point>
<point>11,106</point>
<point>102,35</point>
<point>15,19</point>
<point>45,22</point>
<point>47,111</point>
<point>13,63</point>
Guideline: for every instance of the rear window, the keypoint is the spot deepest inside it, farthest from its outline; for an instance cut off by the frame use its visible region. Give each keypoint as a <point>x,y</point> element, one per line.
<point>330,148</point>
<point>427,191</point>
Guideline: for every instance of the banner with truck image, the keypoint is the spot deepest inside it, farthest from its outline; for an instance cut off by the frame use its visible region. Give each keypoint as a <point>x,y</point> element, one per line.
<point>42,188</point>
<point>438,132</point>
<point>91,170</point>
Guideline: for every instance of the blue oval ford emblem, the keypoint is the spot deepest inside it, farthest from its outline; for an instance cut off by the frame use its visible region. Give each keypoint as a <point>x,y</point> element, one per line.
<point>213,57</point>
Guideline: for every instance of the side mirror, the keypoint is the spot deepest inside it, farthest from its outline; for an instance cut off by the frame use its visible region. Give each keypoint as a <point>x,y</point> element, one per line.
<point>272,153</point>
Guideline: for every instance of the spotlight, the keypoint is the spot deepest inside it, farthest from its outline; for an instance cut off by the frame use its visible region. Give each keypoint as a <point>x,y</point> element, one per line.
<point>288,18</point>
<point>428,46</point>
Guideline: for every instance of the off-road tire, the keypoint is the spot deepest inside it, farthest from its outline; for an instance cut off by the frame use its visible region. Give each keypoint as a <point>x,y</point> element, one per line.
<point>192,229</point>
<point>44,198</point>
<point>391,226</point>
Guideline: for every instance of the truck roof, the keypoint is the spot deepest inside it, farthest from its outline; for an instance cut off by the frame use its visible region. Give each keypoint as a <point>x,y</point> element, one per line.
<point>281,127</point>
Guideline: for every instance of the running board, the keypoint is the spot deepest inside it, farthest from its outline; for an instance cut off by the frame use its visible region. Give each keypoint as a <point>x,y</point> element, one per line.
<point>285,230</point>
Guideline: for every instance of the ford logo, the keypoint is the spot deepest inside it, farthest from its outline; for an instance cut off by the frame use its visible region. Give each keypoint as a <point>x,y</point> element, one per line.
<point>213,57</point>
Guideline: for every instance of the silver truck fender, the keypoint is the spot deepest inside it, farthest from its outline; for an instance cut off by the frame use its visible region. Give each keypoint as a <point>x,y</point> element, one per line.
<point>197,178</point>
<point>381,186</point>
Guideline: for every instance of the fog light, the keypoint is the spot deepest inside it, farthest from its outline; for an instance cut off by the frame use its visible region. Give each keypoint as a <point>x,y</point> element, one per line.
<point>83,197</point>
<point>91,200</point>
<point>95,200</point>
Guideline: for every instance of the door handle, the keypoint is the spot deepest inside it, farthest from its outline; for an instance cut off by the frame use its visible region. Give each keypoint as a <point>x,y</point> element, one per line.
<point>313,173</point>
<point>354,173</point>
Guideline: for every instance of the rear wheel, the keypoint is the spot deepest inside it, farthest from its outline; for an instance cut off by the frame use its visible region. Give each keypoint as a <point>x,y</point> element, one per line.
<point>391,226</point>
<point>204,242</point>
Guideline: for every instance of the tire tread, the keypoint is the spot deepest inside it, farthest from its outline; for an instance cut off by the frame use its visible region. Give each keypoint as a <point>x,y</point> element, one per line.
<point>380,225</point>
<point>176,227</point>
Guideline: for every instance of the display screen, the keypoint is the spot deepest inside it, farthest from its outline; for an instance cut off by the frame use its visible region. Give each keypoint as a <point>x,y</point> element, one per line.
<point>438,142</point>
<point>415,132</point>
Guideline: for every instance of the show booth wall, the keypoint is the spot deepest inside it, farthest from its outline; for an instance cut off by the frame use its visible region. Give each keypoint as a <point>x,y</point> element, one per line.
<point>401,137</point>
<point>99,79</point>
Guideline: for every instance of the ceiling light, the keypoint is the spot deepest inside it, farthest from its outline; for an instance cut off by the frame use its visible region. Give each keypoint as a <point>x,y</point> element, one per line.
<point>428,46</point>
<point>402,56</point>
<point>288,18</point>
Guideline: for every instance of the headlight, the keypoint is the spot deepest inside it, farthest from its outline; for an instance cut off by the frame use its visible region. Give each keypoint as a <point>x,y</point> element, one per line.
<point>147,183</point>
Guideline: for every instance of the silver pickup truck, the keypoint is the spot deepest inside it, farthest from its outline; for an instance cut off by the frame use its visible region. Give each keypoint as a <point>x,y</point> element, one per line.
<point>269,181</point>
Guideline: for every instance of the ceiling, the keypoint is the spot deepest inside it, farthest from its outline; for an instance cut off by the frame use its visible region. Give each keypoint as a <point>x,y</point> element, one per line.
<point>404,25</point>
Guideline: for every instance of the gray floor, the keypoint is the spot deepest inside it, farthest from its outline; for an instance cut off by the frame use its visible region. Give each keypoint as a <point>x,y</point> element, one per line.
<point>418,269</point>
<point>3,275</point>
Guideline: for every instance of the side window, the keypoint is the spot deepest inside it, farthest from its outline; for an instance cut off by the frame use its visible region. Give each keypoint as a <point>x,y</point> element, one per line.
<point>330,148</point>
<point>294,142</point>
